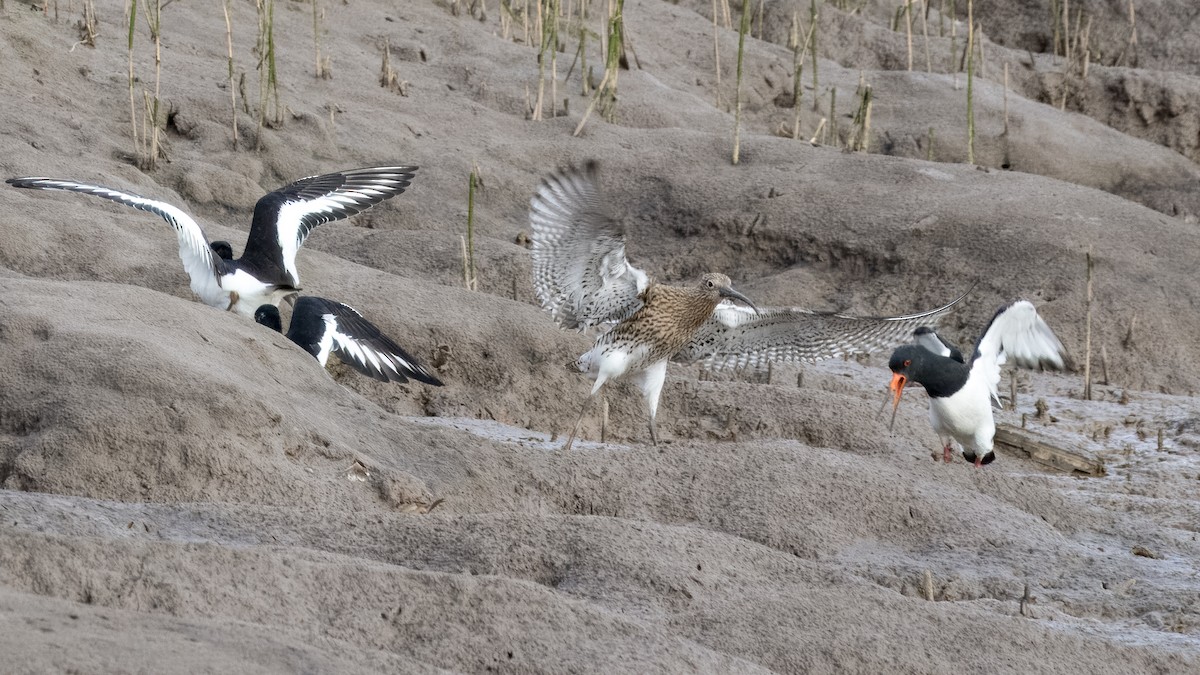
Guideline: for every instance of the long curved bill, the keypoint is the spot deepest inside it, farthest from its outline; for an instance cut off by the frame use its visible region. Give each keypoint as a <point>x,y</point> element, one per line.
<point>730,293</point>
<point>897,388</point>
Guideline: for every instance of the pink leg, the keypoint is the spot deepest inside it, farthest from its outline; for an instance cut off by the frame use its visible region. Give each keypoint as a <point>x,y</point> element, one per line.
<point>978,461</point>
<point>946,453</point>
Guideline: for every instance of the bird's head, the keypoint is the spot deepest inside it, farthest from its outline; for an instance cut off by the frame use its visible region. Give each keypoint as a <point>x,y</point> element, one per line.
<point>223,249</point>
<point>718,286</point>
<point>268,315</point>
<point>905,365</point>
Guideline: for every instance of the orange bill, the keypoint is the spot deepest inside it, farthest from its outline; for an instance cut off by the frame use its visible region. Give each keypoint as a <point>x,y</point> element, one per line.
<point>897,388</point>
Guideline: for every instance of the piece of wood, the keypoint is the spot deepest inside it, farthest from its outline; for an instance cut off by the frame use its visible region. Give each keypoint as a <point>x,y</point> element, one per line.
<point>1040,450</point>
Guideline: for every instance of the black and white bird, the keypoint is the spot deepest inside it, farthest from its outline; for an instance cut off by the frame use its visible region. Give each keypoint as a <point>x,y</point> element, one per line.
<point>961,394</point>
<point>266,273</point>
<point>322,327</point>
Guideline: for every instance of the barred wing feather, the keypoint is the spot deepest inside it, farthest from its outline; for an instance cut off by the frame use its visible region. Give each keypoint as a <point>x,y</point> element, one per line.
<point>580,272</point>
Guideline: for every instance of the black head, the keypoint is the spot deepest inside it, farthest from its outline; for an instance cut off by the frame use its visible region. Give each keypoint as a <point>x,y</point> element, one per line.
<point>940,375</point>
<point>268,315</point>
<point>223,249</point>
<point>904,357</point>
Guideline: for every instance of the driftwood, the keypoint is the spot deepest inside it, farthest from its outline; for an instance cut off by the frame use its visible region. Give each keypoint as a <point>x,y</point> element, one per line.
<point>1040,450</point>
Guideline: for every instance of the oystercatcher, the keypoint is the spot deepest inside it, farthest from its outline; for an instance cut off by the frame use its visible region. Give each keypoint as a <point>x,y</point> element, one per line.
<point>322,327</point>
<point>266,272</point>
<point>961,394</point>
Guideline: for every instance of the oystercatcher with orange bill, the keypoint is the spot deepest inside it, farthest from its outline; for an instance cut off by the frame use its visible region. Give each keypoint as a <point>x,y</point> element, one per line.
<point>961,394</point>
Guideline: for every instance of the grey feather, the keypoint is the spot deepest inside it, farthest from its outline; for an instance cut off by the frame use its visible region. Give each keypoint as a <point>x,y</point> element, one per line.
<point>580,272</point>
<point>737,338</point>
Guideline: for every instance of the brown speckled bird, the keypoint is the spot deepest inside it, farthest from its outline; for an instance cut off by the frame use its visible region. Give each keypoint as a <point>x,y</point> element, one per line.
<point>581,276</point>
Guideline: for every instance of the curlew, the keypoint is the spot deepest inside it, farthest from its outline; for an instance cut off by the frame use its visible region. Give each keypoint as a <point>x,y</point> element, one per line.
<point>266,273</point>
<point>581,276</point>
<point>961,393</point>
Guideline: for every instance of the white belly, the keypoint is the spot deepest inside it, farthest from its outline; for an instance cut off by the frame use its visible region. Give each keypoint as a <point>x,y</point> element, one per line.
<point>251,293</point>
<point>966,417</point>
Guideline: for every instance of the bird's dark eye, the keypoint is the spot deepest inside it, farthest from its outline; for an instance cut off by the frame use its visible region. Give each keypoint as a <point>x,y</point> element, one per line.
<point>710,283</point>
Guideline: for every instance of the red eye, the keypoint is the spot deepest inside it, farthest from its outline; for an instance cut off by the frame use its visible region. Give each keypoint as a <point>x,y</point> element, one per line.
<point>908,363</point>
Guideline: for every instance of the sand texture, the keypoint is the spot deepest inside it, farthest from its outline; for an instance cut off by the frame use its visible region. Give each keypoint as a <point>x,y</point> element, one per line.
<point>182,490</point>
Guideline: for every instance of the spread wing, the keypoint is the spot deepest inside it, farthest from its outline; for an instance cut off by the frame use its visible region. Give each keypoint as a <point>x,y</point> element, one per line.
<point>928,338</point>
<point>201,264</point>
<point>356,341</point>
<point>1016,332</point>
<point>283,218</point>
<point>736,337</point>
<point>580,273</point>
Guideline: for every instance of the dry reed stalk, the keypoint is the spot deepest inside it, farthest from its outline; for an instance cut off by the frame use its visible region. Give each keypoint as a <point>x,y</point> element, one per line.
<point>229,74</point>
<point>605,95</point>
<point>470,280</point>
<point>833,125</point>
<point>798,53</point>
<point>604,419</point>
<point>812,18</point>
<point>716,53</point>
<point>1087,340</point>
<point>1066,27</point>
<point>388,77</point>
<point>862,122</point>
<point>323,70</point>
<point>970,82</point>
<point>953,41</point>
<point>541,59</point>
<point>1132,45</point>
<point>817,132</point>
<point>133,116</point>
<point>743,28</point>
<point>268,81</point>
<point>506,17</point>
<point>525,24</point>
<point>86,26</point>
<point>925,33</point>
<point>908,33</point>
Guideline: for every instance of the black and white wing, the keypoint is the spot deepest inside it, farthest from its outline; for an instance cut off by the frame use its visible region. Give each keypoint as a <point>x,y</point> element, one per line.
<point>283,218</point>
<point>736,337</point>
<point>1018,333</point>
<point>580,273</point>
<point>201,264</point>
<point>325,327</point>
<point>928,338</point>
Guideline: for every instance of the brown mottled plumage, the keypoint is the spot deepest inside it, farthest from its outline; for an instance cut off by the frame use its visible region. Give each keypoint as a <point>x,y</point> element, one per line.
<point>581,276</point>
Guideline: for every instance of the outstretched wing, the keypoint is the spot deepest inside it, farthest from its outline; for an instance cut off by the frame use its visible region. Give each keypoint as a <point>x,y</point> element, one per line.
<point>283,218</point>
<point>1016,332</point>
<point>202,266</point>
<point>736,337</point>
<point>580,272</point>
<point>928,338</point>
<point>356,341</point>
